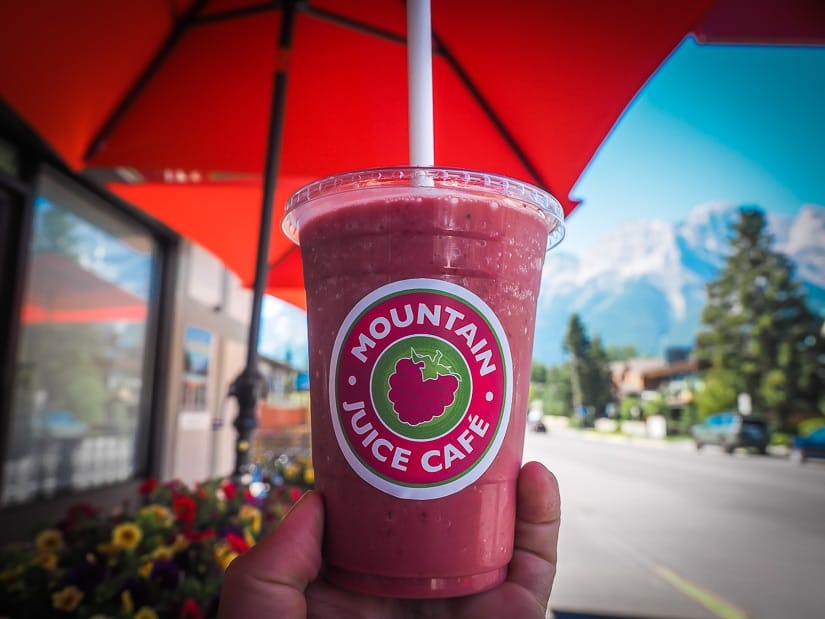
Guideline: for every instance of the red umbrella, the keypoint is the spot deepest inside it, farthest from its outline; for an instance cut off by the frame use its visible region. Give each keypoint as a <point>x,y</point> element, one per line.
<point>170,100</point>
<point>180,96</point>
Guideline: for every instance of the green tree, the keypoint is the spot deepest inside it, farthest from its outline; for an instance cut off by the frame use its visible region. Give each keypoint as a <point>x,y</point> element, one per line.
<point>557,397</point>
<point>718,393</point>
<point>757,331</point>
<point>538,373</point>
<point>621,353</point>
<point>591,383</point>
<point>576,344</point>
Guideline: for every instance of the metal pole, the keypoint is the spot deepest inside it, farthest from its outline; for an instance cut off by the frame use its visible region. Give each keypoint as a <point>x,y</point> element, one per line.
<point>249,384</point>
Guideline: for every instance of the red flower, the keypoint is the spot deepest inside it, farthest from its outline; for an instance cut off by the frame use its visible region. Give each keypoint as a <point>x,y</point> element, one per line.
<point>79,511</point>
<point>229,489</point>
<point>190,610</point>
<point>148,486</point>
<point>185,509</point>
<point>295,494</point>
<point>197,536</point>
<point>237,543</point>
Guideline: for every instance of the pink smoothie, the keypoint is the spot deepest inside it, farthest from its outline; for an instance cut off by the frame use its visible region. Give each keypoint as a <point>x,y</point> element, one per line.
<point>357,243</point>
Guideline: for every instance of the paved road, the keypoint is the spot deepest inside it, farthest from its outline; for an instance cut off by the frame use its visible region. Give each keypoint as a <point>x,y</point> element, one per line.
<point>667,532</point>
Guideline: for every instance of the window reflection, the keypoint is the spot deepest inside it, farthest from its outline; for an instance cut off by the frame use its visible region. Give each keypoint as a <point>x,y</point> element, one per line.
<point>82,348</point>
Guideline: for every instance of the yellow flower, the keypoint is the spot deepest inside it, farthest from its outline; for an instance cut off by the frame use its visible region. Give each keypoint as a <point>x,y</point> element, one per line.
<point>227,558</point>
<point>67,598</point>
<point>126,601</point>
<point>292,471</point>
<point>46,560</point>
<point>180,543</point>
<point>50,540</point>
<point>163,552</point>
<point>145,613</point>
<point>224,555</point>
<point>126,535</point>
<point>251,514</point>
<point>309,476</point>
<point>159,513</point>
<point>248,538</point>
<point>9,576</point>
<point>145,569</point>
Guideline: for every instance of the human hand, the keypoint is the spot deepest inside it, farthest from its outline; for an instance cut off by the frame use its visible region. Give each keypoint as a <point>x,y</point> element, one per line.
<point>279,577</point>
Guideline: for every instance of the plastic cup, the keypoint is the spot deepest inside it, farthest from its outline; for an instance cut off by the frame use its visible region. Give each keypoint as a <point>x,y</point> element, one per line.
<point>421,298</point>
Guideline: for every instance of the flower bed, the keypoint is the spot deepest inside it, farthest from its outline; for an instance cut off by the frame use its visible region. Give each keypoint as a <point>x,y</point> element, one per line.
<point>165,558</point>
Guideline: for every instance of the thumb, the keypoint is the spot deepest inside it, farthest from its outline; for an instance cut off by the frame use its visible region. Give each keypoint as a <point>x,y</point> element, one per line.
<point>270,578</point>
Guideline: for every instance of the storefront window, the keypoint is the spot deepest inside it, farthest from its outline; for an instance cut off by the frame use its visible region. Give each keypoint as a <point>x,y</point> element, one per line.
<point>79,413</point>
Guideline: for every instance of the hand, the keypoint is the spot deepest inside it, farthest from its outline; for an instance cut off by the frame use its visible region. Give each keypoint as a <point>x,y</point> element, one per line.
<point>279,577</point>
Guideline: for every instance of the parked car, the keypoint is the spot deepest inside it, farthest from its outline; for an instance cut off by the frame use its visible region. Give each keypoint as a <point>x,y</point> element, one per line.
<point>811,446</point>
<point>730,430</point>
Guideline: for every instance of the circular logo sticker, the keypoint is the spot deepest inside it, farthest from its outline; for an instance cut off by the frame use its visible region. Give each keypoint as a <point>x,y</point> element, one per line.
<point>420,387</point>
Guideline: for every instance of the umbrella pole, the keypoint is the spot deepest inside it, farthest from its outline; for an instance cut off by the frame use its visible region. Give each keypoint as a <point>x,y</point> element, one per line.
<point>250,385</point>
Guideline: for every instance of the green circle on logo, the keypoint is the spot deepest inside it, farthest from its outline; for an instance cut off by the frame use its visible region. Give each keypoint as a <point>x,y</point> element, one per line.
<point>421,387</point>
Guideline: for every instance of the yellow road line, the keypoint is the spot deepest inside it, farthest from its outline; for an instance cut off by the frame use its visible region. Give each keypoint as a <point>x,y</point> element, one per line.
<point>715,604</point>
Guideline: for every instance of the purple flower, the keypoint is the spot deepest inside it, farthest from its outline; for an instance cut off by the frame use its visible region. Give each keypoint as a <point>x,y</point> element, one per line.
<point>224,532</point>
<point>165,572</point>
<point>85,576</point>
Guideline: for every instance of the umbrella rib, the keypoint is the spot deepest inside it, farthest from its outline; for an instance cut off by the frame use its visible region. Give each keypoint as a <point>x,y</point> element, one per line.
<point>142,80</point>
<point>340,20</point>
<point>239,13</point>
<point>491,114</point>
<point>305,7</point>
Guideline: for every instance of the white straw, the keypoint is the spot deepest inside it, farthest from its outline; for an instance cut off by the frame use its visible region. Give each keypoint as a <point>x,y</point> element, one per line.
<point>420,82</point>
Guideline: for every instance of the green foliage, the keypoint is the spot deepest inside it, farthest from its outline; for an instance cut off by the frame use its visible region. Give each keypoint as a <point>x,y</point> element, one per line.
<point>655,406</point>
<point>164,559</point>
<point>591,383</point>
<point>628,406</point>
<point>538,373</point>
<point>718,394</point>
<point>621,353</point>
<point>804,428</point>
<point>553,389</point>
<point>758,330</point>
<point>558,395</point>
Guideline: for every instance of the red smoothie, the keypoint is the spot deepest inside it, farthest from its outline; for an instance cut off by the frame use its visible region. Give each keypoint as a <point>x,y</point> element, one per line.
<point>421,305</point>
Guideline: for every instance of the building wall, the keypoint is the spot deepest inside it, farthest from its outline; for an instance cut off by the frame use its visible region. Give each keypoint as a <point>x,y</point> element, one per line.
<point>210,301</point>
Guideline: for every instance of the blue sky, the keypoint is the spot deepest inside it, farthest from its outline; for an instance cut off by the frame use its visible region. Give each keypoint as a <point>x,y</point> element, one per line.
<point>739,123</point>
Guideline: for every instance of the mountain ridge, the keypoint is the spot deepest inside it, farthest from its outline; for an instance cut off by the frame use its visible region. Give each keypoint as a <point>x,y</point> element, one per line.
<point>644,283</point>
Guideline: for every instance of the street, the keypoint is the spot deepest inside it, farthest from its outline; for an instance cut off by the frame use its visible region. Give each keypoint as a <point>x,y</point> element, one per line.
<point>659,530</point>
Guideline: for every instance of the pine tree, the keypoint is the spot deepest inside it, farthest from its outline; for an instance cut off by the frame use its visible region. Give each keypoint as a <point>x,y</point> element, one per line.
<point>590,380</point>
<point>757,328</point>
<point>576,344</point>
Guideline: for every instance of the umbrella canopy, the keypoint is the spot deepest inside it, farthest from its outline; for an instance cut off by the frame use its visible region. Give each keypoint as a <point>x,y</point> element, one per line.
<point>60,291</point>
<point>168,102</point>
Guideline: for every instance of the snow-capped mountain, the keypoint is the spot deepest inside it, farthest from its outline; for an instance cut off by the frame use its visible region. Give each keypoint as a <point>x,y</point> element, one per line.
<point>644,283</point>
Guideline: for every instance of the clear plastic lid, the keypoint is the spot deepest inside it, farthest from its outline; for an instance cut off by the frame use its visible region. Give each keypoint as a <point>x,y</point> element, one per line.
<point>477,184</point>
